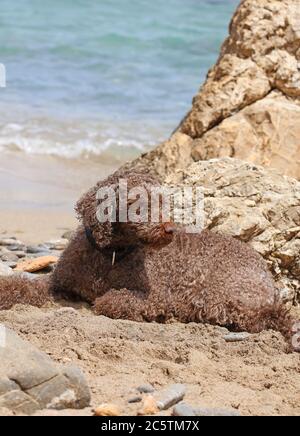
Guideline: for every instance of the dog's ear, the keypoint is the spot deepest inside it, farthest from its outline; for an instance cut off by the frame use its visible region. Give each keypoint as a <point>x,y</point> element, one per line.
<point>86,209</point>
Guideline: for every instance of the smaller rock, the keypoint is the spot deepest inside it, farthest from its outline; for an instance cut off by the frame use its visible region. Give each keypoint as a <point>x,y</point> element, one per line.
<point>30,380</point>
<point>183,409</point>
<point>215,412</point>
<point>107,410</point>
<point>36,249</point>
<point>9,257</point>
<point>134,400</point>
<point>42,254</point>
<point>17,247</point>
<point>59,244</point>
<point>11,265</point>
<point>20,254</point>
<point>149,406</point>
<point>237,337</point>
<point>169,397</point>
<point>146,389</point>
<point>38,264</point>
<point>9,242</point>
<point>5,270</point>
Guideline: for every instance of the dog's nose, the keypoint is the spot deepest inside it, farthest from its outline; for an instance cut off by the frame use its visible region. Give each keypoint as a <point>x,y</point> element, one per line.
<point>170,228</point>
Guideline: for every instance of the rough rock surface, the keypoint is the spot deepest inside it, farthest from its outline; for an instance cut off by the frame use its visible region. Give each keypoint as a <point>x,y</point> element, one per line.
<point>255,205</point>
<point>265,133</point>
<point>249,105</point>
<point>31,381</point>
<point>261,55</point>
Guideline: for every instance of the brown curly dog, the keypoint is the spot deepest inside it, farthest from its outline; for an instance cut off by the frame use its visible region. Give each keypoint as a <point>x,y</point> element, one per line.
<point>154,272</point>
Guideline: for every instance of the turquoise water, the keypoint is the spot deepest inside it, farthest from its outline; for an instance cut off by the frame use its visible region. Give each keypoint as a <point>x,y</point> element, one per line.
<point>88,76</point>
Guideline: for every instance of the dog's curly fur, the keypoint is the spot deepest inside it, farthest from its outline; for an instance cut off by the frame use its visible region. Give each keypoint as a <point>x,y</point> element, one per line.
<point>158,274</point>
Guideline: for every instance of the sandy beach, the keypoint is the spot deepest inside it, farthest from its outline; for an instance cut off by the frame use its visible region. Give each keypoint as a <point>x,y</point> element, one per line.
<point>38,194</point>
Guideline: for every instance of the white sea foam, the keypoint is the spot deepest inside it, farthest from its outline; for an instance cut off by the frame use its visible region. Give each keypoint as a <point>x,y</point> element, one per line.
<point>76,138</point>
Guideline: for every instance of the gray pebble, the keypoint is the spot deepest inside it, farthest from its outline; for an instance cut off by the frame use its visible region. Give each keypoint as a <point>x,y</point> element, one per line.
<point>237,337</point>
<point>215,412</point>
<point>135,400</point>
<point>183,409</point>
<point>59,244</point>
<point>170,396</point>
<point>20,254</point>
<point>35,249</point>
<point>146,389</point>
<point>40,254</point>
<point>16,247</point>
<point>5,270</point>
<point>11,265</point>
<point>9,257</point>
<point>9,241</point>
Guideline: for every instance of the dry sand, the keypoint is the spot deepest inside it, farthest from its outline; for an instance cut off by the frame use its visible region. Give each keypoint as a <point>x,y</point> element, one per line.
<point>256,377</point>
<point>38,194</point>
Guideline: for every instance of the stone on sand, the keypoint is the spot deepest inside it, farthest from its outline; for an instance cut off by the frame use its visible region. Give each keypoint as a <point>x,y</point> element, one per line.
<point>31,381</point>
<point>5,270</point>
<point>38,264</point>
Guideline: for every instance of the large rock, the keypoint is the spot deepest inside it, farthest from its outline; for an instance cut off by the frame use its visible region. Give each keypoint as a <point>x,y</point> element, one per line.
<point>249,105</point>
<point>31,381</point>
<point>259,62</point>
<point>255,205</point>
<point>265,133</point>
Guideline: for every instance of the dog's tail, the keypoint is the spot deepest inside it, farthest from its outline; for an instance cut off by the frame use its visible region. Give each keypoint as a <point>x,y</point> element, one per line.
<point>20,289</point>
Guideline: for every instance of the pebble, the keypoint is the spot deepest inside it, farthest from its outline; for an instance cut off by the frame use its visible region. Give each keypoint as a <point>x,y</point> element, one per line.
<point>172,395</point>
<point>146,389</point>
<point>11,264</point>
<point>9,241</point>
<point>237,337</point>
<point>36,249</point>
<point>215,412</point>
<point>107,410</point>
<point>149,406</point>
<point>16,247</point>
<point>39,264</point>
<point>59,244</point>
<point>5,270</point>
<point>135,400</point>
<point>183,409</point>
<point>9,257</point>
<point>20,254</point>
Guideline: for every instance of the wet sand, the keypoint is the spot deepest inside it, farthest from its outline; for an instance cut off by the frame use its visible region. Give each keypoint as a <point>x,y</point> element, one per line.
<point>38,194</point>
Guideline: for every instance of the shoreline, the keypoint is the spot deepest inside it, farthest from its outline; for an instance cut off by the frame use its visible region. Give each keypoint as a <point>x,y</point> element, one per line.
<point>39,193</point>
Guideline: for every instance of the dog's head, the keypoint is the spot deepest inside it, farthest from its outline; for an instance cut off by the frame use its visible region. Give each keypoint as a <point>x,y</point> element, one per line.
<point>118,212</point>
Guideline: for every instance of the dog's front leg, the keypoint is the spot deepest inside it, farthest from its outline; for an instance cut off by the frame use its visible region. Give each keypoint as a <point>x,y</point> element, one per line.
<point>121,304</point>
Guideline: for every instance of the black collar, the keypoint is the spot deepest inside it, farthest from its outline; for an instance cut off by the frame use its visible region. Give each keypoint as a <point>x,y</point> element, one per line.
<point>116,254</point>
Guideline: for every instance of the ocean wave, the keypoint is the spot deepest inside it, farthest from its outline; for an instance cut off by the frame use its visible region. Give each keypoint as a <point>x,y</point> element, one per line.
<point>74,138</point>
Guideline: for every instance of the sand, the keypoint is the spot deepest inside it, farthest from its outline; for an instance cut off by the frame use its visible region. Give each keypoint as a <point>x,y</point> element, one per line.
<point>38,194</point>
<point>256,377</point>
